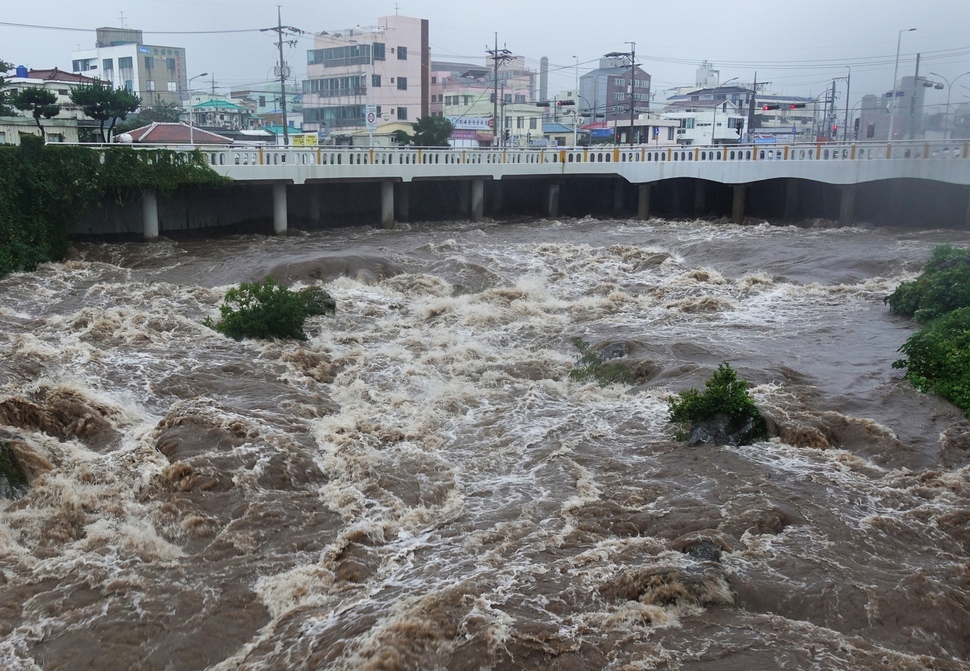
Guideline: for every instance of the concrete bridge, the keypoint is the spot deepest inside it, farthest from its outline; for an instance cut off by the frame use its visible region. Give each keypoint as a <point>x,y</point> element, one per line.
<point>911,183</point>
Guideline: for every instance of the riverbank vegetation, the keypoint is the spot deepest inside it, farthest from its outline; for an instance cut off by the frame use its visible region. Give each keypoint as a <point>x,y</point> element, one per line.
<point>267,310</point>
<point>46,190</point>
<point>937,359</point>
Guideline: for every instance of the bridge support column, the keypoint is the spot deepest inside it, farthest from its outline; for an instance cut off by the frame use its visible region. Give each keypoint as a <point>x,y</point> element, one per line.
<point>737,210</point>
<point>791,200</point>
<point>279,208</point>
<point>313,203</point>
<point>149,209</point>
<point>700,198</point>
<point>402,201</point>
<point>387,204</point>
<point>847,207</point>
<point>552,201</point>
<point>643,204</point>
<point>966,220</point>
<point>498,199</point>
<point>618,198</point>
<point>476,207</point>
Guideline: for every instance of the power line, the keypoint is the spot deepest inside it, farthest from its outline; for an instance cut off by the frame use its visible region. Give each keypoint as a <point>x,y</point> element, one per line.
<point>147,32</point>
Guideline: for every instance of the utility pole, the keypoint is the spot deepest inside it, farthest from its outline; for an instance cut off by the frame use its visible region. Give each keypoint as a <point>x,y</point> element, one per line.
<point>498,56</point>
<point>633,88</point>
<point>848,82</point>
<point>283,69</point>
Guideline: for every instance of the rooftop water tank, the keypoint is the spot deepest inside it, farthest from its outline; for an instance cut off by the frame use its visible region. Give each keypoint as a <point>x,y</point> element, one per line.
<point>21,71</point>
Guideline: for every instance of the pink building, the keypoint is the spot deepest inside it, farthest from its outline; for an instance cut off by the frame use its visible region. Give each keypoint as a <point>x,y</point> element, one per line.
<point>387,66</point>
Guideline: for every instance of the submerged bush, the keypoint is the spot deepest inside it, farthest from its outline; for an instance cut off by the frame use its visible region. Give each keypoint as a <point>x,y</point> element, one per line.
<point>590,366</point>
<point>725,394</point>
<point>938,358</point>
<point>268,310</point>
<point>944,286</point>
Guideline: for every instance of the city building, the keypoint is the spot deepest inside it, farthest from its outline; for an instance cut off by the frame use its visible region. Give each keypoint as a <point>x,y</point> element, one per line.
<point>387,67</point>
<point>605,93</point>
<point>120,57</point>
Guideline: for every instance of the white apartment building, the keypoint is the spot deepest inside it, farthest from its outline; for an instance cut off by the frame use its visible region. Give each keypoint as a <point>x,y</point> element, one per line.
<point>121,58</point>
<point>387,66</point>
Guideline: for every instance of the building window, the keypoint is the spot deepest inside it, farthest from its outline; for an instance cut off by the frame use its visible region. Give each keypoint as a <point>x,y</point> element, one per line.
<point>402,83</point>
<point>434,80</point>
<point>125,62</point>
<point>670,133</point>
<point>150,85</point>
<point>533,123</point>
<point>170,64</point>
<point>519,98</point>
<point>149,62</point>
<point>262,101</point>
<point>520,122</point>
<point>375,81</point>
<point>402,113</point>
<point>379,51</point>
<point>402,53</point>
<point>107,65</point>
<point>173,87</point>
<point>468,100</point>
<point>63,92</point>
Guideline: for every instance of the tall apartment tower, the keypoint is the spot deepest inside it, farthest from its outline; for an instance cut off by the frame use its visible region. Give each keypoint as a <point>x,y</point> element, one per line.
<point>387,66</point>
<point>121,58</point>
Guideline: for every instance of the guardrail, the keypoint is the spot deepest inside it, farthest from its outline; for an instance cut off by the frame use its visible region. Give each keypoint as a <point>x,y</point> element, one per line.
<point>293,156</point>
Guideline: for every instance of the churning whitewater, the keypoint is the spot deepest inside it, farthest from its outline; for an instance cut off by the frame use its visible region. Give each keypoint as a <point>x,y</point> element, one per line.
<point>422,486</point>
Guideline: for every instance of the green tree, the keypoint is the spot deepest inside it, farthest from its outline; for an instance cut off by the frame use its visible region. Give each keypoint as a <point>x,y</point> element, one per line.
<point>432,131</point>
<point>267,310</point>
<point>39,102</point>
<point>159,112</point>
<point>105,104</point>
<point>5,109</point>
<point>401,137</point>
<point>725,394</point>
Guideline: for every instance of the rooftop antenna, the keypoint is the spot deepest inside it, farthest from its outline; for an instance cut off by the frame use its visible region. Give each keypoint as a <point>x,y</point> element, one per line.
<point>122,16</point>
<point>397,8</point>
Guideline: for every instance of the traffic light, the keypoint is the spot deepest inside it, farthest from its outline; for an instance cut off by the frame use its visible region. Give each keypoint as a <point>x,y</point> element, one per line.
<point>560,103</point>
<point>543,104</point>
<point>796,106</point>
<point>770,107</point>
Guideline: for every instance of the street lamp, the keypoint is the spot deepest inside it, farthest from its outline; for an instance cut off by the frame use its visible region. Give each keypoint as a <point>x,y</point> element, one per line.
<point>576,93</point>
<point>191,128</point>
<point>892,109</point>
<point>714,119</point>
<point>946,110</point>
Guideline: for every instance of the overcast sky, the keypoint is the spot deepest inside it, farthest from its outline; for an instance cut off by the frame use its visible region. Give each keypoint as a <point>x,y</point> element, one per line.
<point>799,46</point>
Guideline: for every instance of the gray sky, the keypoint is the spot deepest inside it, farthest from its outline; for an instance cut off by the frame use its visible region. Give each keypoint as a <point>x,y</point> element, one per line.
<point>798,46</point>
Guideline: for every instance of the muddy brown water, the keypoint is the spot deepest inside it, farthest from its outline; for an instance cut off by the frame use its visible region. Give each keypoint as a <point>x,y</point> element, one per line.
<point>421,486</point>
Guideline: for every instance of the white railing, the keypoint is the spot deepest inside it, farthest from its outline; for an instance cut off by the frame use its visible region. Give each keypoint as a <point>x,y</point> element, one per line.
<point>293,156</point>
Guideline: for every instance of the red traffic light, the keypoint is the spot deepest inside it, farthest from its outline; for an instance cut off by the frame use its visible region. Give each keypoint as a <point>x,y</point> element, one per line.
<point>770,107</point>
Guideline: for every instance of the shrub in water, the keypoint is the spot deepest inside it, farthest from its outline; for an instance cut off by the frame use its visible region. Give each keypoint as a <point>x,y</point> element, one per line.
<point>268,310</point>
<point>591,366</point>
<point>725,394</point>
<point>944,286</point>
<point>938,358</point>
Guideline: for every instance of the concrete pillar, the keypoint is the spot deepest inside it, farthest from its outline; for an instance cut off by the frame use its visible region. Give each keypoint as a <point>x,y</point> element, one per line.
<point>966,220</point>
<point>700,198</point>
<point>149,208</point>
<point>643,204</point>
<point>791,200</point>
<point>465,199</point>
<point>847,208</point>
<point>552,201</point>
<point>737,211</point>
<point>498,198</point>
<point>618,198</point>
<point>402,201</point>
<point>477,212</point>
<point>387,204</point>
<point>279,208</point>
<point>313,203</point>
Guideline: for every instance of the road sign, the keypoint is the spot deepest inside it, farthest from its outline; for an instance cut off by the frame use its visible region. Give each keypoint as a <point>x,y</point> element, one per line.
<point>370,115</point>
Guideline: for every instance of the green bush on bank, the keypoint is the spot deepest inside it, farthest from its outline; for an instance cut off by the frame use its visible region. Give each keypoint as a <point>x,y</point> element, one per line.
<point>267,310</point>
<point>937,359</point>
<point>725,394</point>
<point>944,286</point>
<point>46,190</point>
